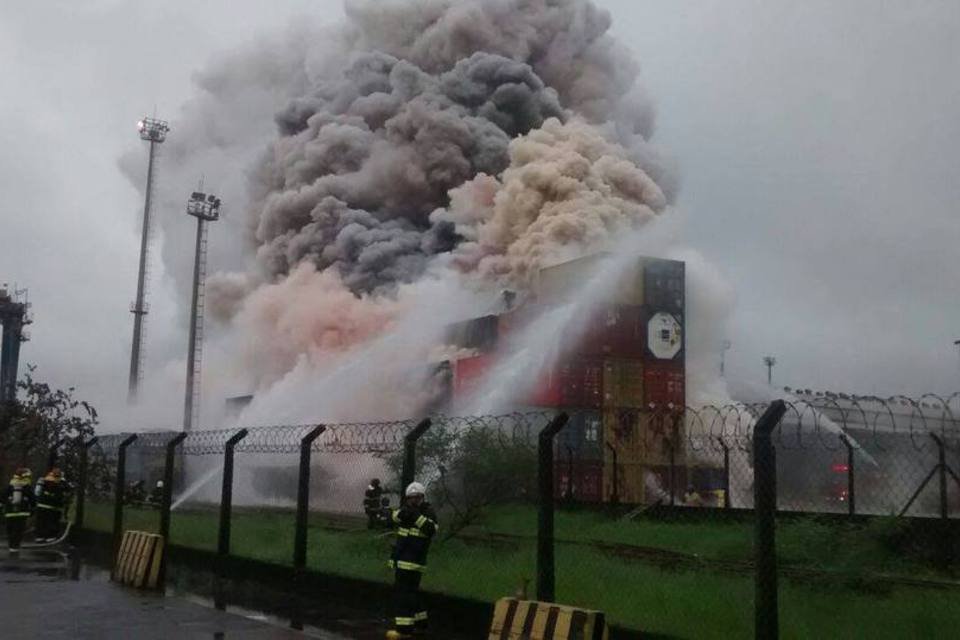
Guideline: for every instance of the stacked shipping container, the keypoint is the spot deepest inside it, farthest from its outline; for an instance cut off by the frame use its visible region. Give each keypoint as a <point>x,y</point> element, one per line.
<point>622,381</point>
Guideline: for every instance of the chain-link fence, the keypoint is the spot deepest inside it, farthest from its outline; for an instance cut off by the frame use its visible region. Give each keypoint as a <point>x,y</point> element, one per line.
<point>650,510</point>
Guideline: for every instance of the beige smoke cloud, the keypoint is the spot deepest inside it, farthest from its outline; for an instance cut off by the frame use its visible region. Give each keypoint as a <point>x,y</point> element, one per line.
<point>567,191</point>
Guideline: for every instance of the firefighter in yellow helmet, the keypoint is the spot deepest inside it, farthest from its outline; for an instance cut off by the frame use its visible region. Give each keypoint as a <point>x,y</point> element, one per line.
<point>18,502</point>
<point>416,524</point>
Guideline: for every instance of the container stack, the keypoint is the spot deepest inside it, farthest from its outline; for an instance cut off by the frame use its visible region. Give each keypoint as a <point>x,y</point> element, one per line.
<point>621,378</point>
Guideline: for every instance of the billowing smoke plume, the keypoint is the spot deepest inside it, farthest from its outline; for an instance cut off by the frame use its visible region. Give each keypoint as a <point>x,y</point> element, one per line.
<point>476,139</point>
<point>489,136</point>
<point>432,95</point>
<point>364,159</point>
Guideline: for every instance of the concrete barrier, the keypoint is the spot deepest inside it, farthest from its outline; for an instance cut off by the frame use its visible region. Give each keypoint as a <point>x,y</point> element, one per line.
<point>531,620</point>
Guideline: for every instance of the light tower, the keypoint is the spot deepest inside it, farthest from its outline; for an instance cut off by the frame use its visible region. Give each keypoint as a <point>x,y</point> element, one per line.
<point>769,361</point>
<point>14,316</point>
<point>725,346</point>
<point>956,343</point>
<point>155,132</point>
<point>205,208</point>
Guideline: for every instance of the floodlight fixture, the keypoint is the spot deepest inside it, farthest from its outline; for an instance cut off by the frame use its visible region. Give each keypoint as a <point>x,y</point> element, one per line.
<point>153,130</point>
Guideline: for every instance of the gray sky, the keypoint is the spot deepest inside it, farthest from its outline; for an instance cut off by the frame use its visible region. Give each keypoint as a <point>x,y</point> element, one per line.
<point>817,144</point>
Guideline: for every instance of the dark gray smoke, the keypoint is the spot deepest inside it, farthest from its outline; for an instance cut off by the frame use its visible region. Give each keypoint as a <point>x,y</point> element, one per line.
<point>364,159</point>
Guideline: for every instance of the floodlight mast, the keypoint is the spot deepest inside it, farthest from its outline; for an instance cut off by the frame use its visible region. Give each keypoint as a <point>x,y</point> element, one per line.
<point>769,362</point>
<point>155,132</point>
<point>205,208</point>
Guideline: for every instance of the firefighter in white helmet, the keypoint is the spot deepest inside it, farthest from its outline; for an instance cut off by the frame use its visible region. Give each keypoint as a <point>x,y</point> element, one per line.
<point>416,524</point>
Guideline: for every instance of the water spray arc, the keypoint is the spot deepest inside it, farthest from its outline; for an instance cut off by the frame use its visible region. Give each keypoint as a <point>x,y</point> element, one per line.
<point>205,208</point>
<point>155,132</point>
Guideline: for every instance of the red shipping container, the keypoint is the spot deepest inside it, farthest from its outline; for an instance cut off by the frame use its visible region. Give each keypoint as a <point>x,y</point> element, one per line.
<point>581,383</point>
<point>613,331</point>
<point>585,484</point>
<point>572,383</point>
<point>468,374</point>
<point>546,392</point>
<point>664,385</point>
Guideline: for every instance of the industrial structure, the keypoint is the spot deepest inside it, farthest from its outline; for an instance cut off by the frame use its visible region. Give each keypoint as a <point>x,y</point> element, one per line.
<point>205,208</point>
<point>14,315</point>
<point>155,132</point>
<point>621,380</point>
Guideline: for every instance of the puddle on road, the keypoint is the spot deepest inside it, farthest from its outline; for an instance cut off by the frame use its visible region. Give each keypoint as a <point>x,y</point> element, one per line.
<point>327,616</point>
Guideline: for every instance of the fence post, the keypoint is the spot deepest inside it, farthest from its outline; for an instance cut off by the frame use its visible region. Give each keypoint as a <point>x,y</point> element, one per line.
<point>941,474</point>
<point>546,578</point>
<point>303,499</point>
<point>851,488</point>
<point>226,497</point>
<point>673,470</point>
<point>615,493</point>
<point>766,625</point>
<point>409,472</point>
<point>82,482</point>
<point>726,473</point>
<point>166,497</point>
<point>118,493</point>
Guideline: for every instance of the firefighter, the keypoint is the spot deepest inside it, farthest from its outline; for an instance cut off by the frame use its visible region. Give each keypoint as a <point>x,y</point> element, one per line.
<point>17,503</point>
<point>135,493</point>
<point>385,515</point>
<point>416,524</point>
<point>51,495</point>
<point>371,503</point>
<point>692,497</point>
<point>156,495</point>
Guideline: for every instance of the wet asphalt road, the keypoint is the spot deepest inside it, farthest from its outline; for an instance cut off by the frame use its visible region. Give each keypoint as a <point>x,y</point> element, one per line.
<point>45,594</point>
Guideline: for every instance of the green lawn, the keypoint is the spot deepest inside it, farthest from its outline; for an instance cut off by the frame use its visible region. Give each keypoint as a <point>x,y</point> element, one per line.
<point>808,543</point>
<point>695,604</point>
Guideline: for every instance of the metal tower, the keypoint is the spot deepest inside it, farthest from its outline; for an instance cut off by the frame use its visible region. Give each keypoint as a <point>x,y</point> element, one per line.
<point>155,132</point>
<point>769,362</point>
<point>14,315</point>
<point>205,208</point>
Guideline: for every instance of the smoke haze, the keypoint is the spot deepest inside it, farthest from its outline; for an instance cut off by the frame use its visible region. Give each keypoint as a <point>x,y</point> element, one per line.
<point>475,140</point>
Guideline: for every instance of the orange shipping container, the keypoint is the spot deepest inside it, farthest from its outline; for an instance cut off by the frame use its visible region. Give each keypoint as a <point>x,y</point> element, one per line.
<point>623,384</point>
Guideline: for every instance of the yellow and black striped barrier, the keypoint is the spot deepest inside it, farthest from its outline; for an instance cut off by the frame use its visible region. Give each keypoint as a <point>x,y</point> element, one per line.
<point>138,562</point>
<point>530,620</point>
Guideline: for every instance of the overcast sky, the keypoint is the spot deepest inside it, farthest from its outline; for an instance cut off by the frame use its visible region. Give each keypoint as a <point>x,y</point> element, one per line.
<point>818,144</point>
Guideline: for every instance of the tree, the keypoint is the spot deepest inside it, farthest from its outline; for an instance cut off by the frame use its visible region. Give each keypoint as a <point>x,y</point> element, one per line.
<point>471,468</point>
<point>40,418</point>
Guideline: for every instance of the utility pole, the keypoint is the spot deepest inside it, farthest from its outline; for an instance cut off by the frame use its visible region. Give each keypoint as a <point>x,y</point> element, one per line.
<point>205,208</point>
<point>769,361</point>
<point>723,357</point>
<point>155,132</point>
